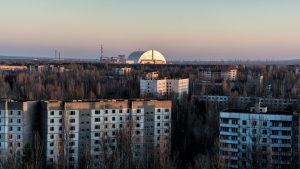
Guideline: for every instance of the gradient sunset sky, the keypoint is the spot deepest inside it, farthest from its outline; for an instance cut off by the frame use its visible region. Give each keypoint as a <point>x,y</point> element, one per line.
<point>181,30</point>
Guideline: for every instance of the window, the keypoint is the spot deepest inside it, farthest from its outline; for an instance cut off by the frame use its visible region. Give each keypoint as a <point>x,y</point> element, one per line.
<point>234,121</point>
<point>167,117</point>
<point>120,125</point>
<point>234,129</point>
<point>158,117</point>
<point>113,126</point>
<point>254,123</point>
<point>121,118</point>
<point>97,112</point>
<point>264,132</point>
<point>244,122</point>
<point>11,112</point>
<point>106,111</point>
<point>158,110</point>
<point>97,126</point>
<point>138,125</point>
<point>113,118</point>
<point>51,128</point>
<point>286,124</point>
<point>19,113</point>
<point>51,120</point>
<point>72,128</point>
<point>264,140</point>
<point>158,124</point>
<point>60,112</point>
<point>97,119</point>
<point>138,111</point>
<point>72,113</point>
<point>72,120</point>
<point>286,133</point>
<point>97,135</point>
<point>120,111</point>
<point>275,123</point>
<point>286,141</point>
<point>275,132</point>
<point>51,136</point>
<point>167,110</point>
<point>225,129</point>
<point>105,119</point>
<point>265,123</point>
<point>113,111</point>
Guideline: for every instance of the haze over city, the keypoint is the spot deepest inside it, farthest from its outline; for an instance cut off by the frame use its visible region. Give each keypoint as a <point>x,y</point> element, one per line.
<point>181,30</point>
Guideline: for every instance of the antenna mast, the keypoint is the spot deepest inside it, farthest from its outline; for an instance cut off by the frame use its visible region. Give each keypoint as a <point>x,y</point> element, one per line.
<point>101,54</point>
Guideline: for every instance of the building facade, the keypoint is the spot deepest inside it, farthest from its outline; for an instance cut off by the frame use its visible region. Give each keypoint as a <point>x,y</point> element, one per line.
<point>219,74</point>
<point>246,102</point>
<point>160,87</point>
<point>258,138</point>
<point>16,126</point>
<point>71,129</point>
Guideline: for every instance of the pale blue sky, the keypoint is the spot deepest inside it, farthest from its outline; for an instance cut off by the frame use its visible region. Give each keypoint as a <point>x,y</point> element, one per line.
<point>181,30</point>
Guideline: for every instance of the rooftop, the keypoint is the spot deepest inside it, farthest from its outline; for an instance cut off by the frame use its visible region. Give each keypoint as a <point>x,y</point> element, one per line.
<point>249,112</point>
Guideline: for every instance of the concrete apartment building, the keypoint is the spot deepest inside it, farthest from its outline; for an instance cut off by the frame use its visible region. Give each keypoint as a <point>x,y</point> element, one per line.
<point>16,126</point>
<point>71,129</point>
<point>272,103</point>
<point>160,87</point>
<point>217,74</point>
<point>258,138</point>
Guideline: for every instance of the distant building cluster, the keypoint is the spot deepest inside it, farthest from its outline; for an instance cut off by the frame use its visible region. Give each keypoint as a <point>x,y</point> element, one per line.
<point>123,71</point>
<point>241,101</point>
<point>217,74</point>
<point>72,128</point>
<point>154,86</point>
<point>34,68</point>
<point>259,137</point>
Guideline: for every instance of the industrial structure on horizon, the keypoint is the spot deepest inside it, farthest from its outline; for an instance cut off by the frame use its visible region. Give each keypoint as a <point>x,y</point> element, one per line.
<point>136,57</point>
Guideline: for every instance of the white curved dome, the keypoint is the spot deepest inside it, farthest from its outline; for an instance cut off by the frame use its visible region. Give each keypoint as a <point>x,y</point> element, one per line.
<point>146,57</point>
